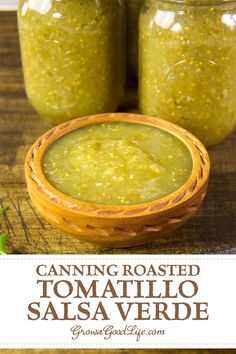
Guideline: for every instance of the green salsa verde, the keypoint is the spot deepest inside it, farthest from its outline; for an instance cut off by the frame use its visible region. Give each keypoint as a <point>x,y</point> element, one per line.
<point>117,163</point>
<point>188,65</point>
<point>73,56</point>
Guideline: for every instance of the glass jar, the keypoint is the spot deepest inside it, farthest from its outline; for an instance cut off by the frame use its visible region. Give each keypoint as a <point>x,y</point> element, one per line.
<point>73,55</point>
<point>133,10</point>
<point>188,65</point>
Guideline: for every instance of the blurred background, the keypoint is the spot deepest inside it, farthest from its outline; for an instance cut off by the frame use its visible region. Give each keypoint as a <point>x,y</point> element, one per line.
<point>8,5</point>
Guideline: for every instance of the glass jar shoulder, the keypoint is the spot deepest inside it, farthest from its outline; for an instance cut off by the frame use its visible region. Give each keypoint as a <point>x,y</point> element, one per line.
<point>68,11</point>
<point>169,19</point>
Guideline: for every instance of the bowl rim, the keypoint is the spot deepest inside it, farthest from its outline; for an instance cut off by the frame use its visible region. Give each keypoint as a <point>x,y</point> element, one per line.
<point>36,177</point>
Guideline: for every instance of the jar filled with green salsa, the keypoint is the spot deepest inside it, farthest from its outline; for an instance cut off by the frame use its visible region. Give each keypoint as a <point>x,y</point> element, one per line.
<point>188,65</point>
<point>133,9</point>
<point>73,54</point>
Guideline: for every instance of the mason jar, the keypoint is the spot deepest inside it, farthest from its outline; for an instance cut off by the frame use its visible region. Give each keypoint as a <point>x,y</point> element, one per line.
<point>73,55</point>
<point>133,11</point>
<point>188,65</point>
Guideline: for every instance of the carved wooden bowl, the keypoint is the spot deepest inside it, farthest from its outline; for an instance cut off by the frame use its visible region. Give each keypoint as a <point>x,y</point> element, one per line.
<point>110,225</point>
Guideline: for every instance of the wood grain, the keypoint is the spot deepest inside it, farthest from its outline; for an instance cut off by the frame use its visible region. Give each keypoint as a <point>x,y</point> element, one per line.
<point>212,230</point>
<point>118,351</point>
<point>112,351</point>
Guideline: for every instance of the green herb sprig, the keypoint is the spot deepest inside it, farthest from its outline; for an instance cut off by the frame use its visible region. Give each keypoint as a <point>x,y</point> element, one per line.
<point>3,236</point>
<point>3,242</point>
<point>3,210</point>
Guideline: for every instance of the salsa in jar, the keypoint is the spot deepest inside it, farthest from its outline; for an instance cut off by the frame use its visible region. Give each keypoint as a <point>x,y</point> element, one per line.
<point>73,54</point>
<point>188,65</point>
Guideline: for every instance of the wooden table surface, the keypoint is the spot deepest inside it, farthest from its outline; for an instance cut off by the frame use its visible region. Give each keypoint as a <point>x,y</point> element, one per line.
<point>212,230</point>
<point>112,351</point>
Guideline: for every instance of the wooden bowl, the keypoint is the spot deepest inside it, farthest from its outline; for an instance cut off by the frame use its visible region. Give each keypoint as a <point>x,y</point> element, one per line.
<point>109,225</point>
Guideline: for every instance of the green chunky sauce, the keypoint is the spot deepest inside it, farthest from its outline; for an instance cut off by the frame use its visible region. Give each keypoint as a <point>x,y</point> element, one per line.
<point>133,9</point>
<point>118,164</point>
<point>188,65</point>
<point>73,56</point>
